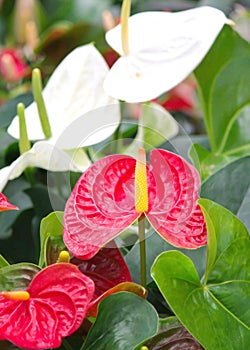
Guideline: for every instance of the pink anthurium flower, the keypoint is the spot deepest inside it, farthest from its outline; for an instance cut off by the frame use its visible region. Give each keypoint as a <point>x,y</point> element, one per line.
<point>12,65</point>
<point>52,307</point>
<point>5,204</point>
<point>116,190</point>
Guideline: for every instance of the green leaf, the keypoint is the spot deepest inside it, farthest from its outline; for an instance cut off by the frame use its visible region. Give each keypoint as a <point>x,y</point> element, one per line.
<point>154,246</point>
<point>207,163</point>
<point>51,238</point>
<point>3,262</point>
<point>15,193</point>
<point>45,200</point>
<point>124,320</point>
<point>9,109</point>
<point>5,141</point>
<point>17,276</point>
<point>230,187</point>
<point>171,336</point>
<point>217,313</point>
<point>223,78</point>
<point>155,127</point>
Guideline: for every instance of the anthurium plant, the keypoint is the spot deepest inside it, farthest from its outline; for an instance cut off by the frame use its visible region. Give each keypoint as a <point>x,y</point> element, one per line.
<point>122,225</point>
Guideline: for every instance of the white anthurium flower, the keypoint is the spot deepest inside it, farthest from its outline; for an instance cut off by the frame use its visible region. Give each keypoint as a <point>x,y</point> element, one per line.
<point>80,114</point>
<point>47,156</point>
<point>75,88</point>
<point>162,50</point>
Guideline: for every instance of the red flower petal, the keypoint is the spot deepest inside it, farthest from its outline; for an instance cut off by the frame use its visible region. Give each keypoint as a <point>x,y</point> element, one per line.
<point>5,205</point>
<point>69,281</point>
<point>103,203</point>
<point>175,214</point>
<point>33,325</point>
<point>100,206</point>
<point>107,268</point>
<point>59,298</point>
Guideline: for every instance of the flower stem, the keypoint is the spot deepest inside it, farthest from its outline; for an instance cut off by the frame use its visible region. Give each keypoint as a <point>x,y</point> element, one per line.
<point>37,92</point>
<point>141,233</point>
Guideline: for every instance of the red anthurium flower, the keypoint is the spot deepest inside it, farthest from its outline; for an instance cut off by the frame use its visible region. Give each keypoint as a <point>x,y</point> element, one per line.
<point>5,205</point>
<point>53,306</point>
<point>116,190</point>
<point>107,268</point>
<point>110,274</point>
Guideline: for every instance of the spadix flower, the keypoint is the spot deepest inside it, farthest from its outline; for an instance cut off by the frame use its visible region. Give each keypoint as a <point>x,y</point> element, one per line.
<point>161,50</point>
<point>5,204</point>
<point>116,190</point>
<point>52,307</point>
<point>80,114</point>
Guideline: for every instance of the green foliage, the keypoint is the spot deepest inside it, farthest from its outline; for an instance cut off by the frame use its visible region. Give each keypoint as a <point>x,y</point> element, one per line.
<point>51,238</point>
<point>230,187</point>
<point>223,79</point>
<point>215,311</point>
<point>17,276</point>
<point>118,330</point>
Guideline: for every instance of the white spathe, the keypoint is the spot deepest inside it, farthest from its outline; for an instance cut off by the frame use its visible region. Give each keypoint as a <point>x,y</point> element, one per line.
<point>46,156</point>
<point>164,48</point>
<point>74,89</point>
<point>80,113</point>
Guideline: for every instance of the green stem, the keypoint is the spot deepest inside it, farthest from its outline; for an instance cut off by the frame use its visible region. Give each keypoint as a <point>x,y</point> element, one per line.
<point>38,97</point>
<point>142,240</point>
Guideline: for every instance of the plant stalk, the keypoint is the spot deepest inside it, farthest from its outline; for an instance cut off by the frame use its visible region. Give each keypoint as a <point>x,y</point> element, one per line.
<point>141,233</point>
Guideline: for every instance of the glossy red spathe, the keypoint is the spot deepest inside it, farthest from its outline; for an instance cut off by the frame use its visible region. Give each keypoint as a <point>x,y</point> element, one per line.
<point>59,297</point>
<point>102,203</point>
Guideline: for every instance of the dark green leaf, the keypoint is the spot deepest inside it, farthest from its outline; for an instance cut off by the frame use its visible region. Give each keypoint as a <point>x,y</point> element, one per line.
<point>230,187</point>
<point>9,109</point>
<point>217,312</point>
<point>124,320</point>
<point>20,244</point>
<point>17,276</point>
<point>15,193</point>
<point>43,198</point>
<point>223,78</point>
